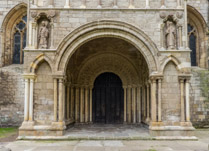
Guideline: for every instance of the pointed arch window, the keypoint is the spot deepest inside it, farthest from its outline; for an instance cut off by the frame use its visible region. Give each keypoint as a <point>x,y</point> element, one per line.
<point>192,44</point>
<point>19,39</point>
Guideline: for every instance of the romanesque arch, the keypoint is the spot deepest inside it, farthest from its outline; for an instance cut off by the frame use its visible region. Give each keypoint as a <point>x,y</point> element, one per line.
<point>106,28</point>
<point>13,18</point>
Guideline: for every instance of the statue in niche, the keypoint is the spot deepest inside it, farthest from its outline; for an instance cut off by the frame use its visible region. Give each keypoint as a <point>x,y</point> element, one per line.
<point>43,35</point>
<point>170,34</point>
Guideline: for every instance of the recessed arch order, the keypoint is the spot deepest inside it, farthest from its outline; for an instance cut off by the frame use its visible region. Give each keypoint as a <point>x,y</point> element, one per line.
<point>106,28</point>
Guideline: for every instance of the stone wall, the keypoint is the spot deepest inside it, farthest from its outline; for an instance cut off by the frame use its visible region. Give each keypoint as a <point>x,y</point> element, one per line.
<point>11,95</point>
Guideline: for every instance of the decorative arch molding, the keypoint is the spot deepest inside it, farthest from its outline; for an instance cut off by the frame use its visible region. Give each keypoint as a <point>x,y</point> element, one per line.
<point>107,28</point>
<point>173,59</point>
<point>108,63</point>
<point>196,20</point>
<point>12,18</point>
<point>40,59</point>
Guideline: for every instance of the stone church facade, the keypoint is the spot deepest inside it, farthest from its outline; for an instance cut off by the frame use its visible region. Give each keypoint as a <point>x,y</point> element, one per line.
<point>65,62</point>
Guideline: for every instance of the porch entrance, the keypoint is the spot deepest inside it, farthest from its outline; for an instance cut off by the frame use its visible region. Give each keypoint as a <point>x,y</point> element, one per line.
<point>108,99</point>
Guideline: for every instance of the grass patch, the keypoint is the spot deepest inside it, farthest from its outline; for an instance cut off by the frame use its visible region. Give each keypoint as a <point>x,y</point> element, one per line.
<point>5,132</point>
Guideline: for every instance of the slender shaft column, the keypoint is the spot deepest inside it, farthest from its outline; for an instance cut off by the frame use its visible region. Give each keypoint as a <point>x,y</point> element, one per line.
<point>185,25</point>
<point>131,5</point>
<point>125,105</point>
<point>179,4</point>
<point>159,100</point>
<point>162,36</point>
<point>33,34</point>
<point>77,104</point>
<point>129,104</point>
<point>30,35</point>
<point>99,4</point>
<point>115,4</point>
<point>64,100</point>
<point>83,4</point>
<point>147,4</point>
<point>182,100</point>
<point>90,96</point>
<point>187,102</point>
<point>82,105</point>
<point>163,4</point>
<point>180,37</point>
<point>134,104</point>
<point>61,117</point>
<point>51,3</point>
<point>35,2</point>
<point>31,100</point>
<point>86,104</point>
<point>144,102</point>
<point>55,100</point>
<point>52,36</point>
<point>68,102</point>
<point>153,99</point>
<point>67,4</point>
<point>148,104</point>
<point>72,103</point>
<point>26,106</point>
<point>139,104</point>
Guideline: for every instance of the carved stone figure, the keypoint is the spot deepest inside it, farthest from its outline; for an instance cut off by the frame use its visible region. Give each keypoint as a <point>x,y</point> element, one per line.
<point>43,35</point>
<point>170,35</point>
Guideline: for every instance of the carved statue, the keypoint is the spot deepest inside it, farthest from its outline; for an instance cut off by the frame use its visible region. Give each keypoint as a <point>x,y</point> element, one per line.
<point>43,35</point>
<point>170,35</point>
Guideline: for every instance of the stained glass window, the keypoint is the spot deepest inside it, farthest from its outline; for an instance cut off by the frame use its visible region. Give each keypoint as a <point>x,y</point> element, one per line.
<point>19,41</point>
<point>192,44</point>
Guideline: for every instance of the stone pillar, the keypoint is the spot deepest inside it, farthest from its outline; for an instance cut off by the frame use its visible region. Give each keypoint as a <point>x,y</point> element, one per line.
<point>147,4</point>
<point>26,105</point>
<point>153,100</point>
<point>163,4</point>
<point>52,36</point>
<point>67,4</point>
<point>144,102</point>
<point>139,104</point>
<point>68,102</point>
<point>35,2</point>
<point>86,104</point>
<point>64,100</point>
<point>33,34</point>
<point>131,5</point>
<point>72,103</point>
<point>159,100</point>
<point>148,104</point>
<point>180,37</point>
<point>31,100</point>
<point>82,105</point>
<point>182,100</point>
<point>115,4</point>
<point>134,104</point>
<point>77,104</point>
<point>185,25</point>
<point>125,103</point>
<point>61,101</point>
<point>55,100</point>
<point>187,101</point>
<point>83,4</point>
<point>162,39</point>
<point>179,4</point>
<point>99,4</point>
<point>129,104</point>
<point>51,3</point>
<point>90,106</point>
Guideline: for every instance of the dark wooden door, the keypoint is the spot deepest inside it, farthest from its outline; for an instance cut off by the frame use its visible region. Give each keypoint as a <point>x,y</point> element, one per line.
<point>108,100</point>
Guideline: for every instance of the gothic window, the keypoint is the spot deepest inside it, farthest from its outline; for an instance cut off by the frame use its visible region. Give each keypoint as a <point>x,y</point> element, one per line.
<point>19,41</point>
<point>192,44</point>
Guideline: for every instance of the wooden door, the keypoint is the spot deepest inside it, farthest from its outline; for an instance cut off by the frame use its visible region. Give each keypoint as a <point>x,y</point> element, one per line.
<point>108,99</point>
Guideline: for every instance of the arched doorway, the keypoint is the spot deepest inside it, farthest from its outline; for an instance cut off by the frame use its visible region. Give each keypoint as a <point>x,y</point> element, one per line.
<point>108,99</point>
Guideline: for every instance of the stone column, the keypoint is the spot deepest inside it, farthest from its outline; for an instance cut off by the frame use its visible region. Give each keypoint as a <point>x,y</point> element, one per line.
<point>61,117</point>
<point>51,3</point>
<point>163,4</point>
<point>55,100</point>
<point>64,100</point>
<point>77,104</point>
<point>162,39</point>
<point>82,105</point>
<point>68,102</point>
<point>52,36</point>
<point>30,35</point>
<point>67,4</point>
<point>159,100</point>
<point>125,105</point>
<point>115,4</point>
<point>153,100</point>
<point>31,100</point>
<point>131,5</point>
<point>147,4</point>
<point>182,100</point>
<point>134,104</point>
<point>33,34</point>
<point>35,2</point>
<point>180,37</point>
<point>26,105</point>
<point>99,4</point>
<point>185,25</point>
<point>148,104</point>
<point>90,106</point>
<point>187,101</point>
<point>86,104</point>
<point>179,4</point>
<point>72,103</point>
<point>139,104</point>
<point>83,4</point>
<point>144,102</point>
<point>129,104</point>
